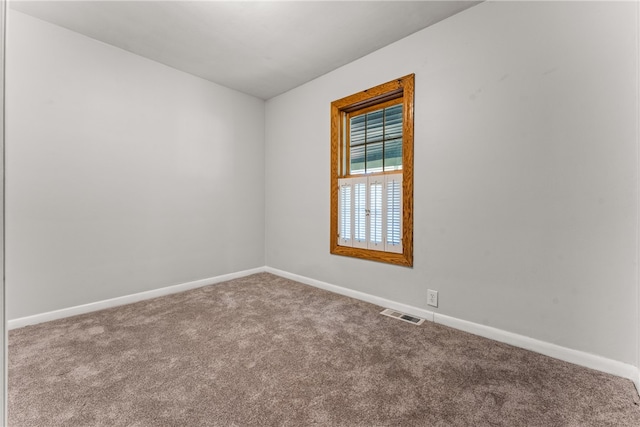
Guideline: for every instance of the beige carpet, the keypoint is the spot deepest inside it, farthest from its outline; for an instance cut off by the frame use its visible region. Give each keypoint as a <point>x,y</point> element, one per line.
<point>263,350</point>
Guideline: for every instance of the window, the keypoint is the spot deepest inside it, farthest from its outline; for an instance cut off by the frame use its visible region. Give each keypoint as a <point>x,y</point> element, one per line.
<point>372,173</point>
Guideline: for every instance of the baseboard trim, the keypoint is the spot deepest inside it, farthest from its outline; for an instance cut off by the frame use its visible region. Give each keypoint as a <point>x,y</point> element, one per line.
<point>127,299</point>
<point>566,354</point>
<point>577,357</point>
<point>383,302</point>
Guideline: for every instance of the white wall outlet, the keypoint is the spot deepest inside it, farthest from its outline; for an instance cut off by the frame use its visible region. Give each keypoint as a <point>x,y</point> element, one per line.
<point>432,297</point>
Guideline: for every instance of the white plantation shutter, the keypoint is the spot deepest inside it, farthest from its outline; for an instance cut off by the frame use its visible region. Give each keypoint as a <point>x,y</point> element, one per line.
<point>376,213</point>
<point>370,212</point>
<point>393,203</point>
<point>345,209</point>
<point>360,212</point>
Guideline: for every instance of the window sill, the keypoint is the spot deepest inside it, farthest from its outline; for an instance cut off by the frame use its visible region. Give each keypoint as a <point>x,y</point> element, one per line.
<point>404,259</point>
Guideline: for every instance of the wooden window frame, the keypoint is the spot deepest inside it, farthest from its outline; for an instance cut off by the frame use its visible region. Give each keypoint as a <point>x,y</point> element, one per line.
<point>363,101</point>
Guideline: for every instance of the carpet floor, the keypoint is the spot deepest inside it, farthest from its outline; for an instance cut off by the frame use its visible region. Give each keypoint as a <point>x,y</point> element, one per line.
<point>266,351</point>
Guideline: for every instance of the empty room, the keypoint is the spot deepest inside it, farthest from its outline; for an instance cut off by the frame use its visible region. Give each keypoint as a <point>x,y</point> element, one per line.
<point>341,213</point>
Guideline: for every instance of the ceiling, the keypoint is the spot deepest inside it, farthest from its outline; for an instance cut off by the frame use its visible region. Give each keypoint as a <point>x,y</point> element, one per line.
<point>262,48</point>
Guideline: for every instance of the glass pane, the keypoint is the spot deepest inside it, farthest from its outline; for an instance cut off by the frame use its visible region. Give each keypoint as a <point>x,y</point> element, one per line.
<point>393,155</point>
<point>393,122</point>
<point>357,128</point>
<point>374,157</point>
<point>357,159</point>
<point>375,126</point>
<point>376,141</point>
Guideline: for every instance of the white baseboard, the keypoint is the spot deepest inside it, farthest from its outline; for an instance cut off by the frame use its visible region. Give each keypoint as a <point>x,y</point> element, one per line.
<point>563,353</point>
<point>127,299</point>
<point>414,311</point>
<point>577,357</point>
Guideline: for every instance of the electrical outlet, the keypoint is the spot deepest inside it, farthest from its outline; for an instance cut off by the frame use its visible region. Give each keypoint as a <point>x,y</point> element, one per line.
<point>432,297</point>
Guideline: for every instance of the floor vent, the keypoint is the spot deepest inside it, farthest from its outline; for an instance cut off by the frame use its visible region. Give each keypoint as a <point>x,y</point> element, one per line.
<point>402,316</point>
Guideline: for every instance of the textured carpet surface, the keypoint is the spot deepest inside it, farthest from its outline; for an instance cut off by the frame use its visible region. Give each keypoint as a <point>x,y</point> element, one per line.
<point>263,350</point>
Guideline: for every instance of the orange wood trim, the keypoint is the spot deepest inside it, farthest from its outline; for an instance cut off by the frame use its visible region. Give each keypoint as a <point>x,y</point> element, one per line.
<point>335,139</point>
<point>345,147</point>
<point>358,175</point>
<point>407,168</point>
<point>376,106</point>
<point>372,255</point>
<point>384,90</point>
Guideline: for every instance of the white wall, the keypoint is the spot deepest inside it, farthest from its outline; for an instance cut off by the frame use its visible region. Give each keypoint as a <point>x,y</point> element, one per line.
<point>3,337</point>
<point>637,380</point>
<point>123,175</point>
<point>525,172</point>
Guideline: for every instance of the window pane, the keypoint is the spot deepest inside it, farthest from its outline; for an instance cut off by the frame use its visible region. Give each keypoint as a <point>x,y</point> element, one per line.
<point>375,141</point>
<point>375,126</point>
<point>357,159</point>
<point>393,155</point>
<point>357,128</point>
<point>393,122</point>
<point>374,157</point>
